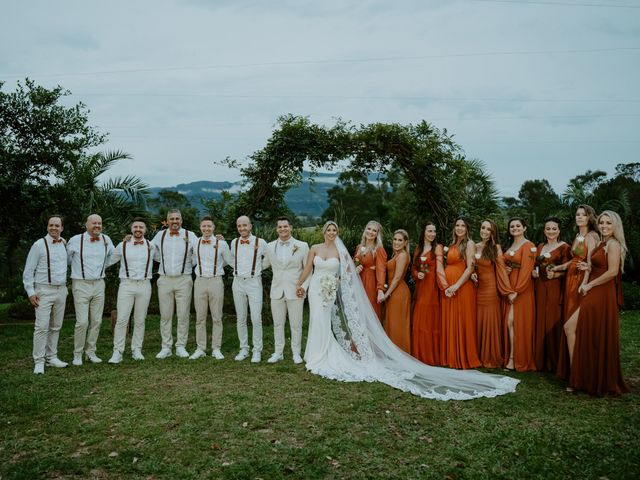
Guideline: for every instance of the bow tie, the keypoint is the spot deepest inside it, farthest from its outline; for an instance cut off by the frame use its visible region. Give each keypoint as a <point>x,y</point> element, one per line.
<point>94,239</point>
<point>174,234</point>
<point>285,244</point>
<point>138,242</point>
<point>245,242</point>
<point>57,241</point>
<point>206,242</point>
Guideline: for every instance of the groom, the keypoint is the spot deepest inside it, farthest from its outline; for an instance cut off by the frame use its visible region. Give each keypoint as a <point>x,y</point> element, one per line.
<point>287,258</point>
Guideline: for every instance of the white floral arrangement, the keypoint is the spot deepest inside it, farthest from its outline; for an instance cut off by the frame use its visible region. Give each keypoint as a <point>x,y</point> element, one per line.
<point>512,253</point>
<point>580,238</point>
<point>477,255</point>
<point>546,255</point>
<point>328,288</point>
<point>534,249</point>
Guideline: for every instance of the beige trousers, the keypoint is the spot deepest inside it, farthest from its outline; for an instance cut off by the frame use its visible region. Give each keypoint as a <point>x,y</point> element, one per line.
<point>247,292</point>
<point>279,309</point>
<point>88,299</point>
<point>208,293</point>
<point>132,295</point>
<point>49,317</point>
<point>174,292</point>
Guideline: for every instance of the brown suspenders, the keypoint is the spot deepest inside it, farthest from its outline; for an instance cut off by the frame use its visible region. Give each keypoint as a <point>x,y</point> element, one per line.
<point>215,258</point>
<point>186,250</point>
<point>82,254</point>
<point>126,265</point>
<point>253,263</point>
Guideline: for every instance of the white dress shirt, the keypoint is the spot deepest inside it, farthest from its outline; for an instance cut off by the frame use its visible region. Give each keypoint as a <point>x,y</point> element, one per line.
<point>94,258</point>
<point>284,250</point>
<point>205,261</point>
<point>38,268</point>
<point>134,259</point>
<point>244,261</point>
<point>171,252</point>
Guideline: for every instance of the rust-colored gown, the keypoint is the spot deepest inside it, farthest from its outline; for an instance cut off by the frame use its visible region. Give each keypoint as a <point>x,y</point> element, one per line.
<point>521,282</point>
<point>492,282</point>
<point>596,356</point>
<point>397,315</point>
<point>459,346</point>
<point>425,339</point>
<point>549,305</point>
<point>373,275</point>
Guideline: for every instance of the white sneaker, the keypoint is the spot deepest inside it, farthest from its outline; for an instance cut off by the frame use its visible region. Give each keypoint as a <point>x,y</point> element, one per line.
<point>182,352</point>
<point>38,369</point>
<point>217,354</point>
<point>56,362</point>
<point>93,358</point>
<point>197,354</point>
<point>116,357</point>
<point>242,354</point>
<point>256,357</point>
<point>77,359</point>
<point>164,353</point>
<point>137,355</point>
<point>276,357</point>
<point>297,359</point>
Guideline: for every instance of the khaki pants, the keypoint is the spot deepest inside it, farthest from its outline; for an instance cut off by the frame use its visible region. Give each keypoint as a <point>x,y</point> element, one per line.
<point>279,309</point>
<point>208,293</point>
<point>247,292</point>
<point>49,317</point>
<point>132,295</point>
<point>174,291</point>
<point>88,299</point>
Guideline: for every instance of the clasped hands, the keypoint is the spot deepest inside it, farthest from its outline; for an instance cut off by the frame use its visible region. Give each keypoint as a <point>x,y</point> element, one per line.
<point>300,292</point>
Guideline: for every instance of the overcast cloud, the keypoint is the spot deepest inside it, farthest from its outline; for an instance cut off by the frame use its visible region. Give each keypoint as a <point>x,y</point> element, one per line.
<point>533,89</point>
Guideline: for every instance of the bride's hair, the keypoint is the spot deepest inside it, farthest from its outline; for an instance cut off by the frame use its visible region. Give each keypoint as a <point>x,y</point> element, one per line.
<point>326,225</point>
<point>363,241</point>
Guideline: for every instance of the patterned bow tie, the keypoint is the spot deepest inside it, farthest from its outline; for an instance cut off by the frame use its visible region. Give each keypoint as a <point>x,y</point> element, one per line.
<point>95,239</point>
<point>57,241</point>
<point>285,244</point>
<point>174,234</point>
<point>245,242</point>
<point>138,242</point>
<point>206,242</point>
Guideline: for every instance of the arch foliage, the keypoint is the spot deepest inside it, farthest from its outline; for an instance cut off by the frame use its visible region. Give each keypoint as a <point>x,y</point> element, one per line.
<point>435,179</point>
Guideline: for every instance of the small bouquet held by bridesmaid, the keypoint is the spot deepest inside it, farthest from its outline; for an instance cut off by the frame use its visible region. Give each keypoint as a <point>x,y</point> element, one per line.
<point>358,260</point>
<point>328,288</point>
<point>509,262</point>
<point>423,266</point>
<point>542,261</point>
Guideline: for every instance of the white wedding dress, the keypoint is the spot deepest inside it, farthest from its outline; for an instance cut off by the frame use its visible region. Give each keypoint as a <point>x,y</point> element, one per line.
<point>346,342</point>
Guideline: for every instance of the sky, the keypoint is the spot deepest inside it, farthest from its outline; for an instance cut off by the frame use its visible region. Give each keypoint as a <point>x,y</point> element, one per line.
<point>534,89</point>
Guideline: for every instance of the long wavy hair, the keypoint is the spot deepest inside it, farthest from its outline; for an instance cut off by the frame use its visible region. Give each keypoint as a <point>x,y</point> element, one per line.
<point>490,250</point>
<point>618,233</point>
<point>462,248</point>
<point>592,223</point>
<point>363,241</point>
<point>422,241</point>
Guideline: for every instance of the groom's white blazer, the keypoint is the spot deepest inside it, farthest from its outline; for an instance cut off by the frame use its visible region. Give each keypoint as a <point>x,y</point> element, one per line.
<point>286,274</point>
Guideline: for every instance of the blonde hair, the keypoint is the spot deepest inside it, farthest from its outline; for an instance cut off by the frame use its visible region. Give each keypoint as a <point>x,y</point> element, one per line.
<point>326,225</point>
<point>363,241</point>
<point>405,235</point>
<point>618,233</point>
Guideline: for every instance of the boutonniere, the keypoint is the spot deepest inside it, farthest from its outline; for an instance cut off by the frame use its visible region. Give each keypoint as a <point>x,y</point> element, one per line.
<point>295,249</point>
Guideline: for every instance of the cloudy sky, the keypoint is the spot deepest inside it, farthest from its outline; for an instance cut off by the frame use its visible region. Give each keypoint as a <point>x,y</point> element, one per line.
<point>534,89</point>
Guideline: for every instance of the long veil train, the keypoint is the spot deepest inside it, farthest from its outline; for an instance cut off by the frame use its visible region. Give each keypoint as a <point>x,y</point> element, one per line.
<point>357,329</point>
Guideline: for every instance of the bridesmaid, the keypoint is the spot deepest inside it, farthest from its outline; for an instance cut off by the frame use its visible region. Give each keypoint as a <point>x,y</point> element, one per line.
<point>371,262</point>
<point>492,280</point>
<point>425,338</point>
<point>458,348</point>
<point>584,243</point>
<point>549,295</point>
<point>519,260</point>
<point>595,367</point>
<point>397,319</point>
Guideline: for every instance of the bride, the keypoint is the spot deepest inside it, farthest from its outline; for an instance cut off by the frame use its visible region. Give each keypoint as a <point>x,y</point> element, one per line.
<point>346,341</point>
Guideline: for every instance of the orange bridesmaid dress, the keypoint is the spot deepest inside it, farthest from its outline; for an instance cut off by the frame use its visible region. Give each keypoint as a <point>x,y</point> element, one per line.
<point>522,264</point>
<point>397,315</point>
<point>426,332</point>
<point>373,274</point>
<point>596,356</point>
<point>459,346</point>
<point>492,282</point>
<point>549,306</point>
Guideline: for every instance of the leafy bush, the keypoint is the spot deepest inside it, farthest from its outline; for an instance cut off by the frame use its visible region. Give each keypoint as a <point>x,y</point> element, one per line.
<point>22,309</point>
<point>631,292</point>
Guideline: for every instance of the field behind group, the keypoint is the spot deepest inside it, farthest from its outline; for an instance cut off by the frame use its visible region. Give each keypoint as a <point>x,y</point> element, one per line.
<point>177,418</point>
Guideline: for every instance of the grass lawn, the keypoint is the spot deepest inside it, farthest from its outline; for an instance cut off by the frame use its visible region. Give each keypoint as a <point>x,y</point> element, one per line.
<point>180,419</point>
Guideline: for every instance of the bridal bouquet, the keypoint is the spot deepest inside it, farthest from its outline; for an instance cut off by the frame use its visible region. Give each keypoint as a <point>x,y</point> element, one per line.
<point>328,289</point>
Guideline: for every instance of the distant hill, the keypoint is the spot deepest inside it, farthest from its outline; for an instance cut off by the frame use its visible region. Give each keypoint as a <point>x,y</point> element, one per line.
<point>307,198</point>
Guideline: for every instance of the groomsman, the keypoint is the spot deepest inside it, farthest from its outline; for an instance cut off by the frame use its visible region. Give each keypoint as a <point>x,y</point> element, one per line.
<point>211,255</point>
<point>136,266</point>
<point>287,258</point>
<point>45,281</point>
<point>174,250</point>
<point>88,255</point>
<point>247,252</point>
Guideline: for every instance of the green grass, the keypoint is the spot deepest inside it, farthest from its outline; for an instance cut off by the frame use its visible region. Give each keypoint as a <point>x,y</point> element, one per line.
<point>207,419</point>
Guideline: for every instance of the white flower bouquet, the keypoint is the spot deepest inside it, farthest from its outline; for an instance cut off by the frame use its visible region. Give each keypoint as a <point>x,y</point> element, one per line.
<point>328,288</point>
